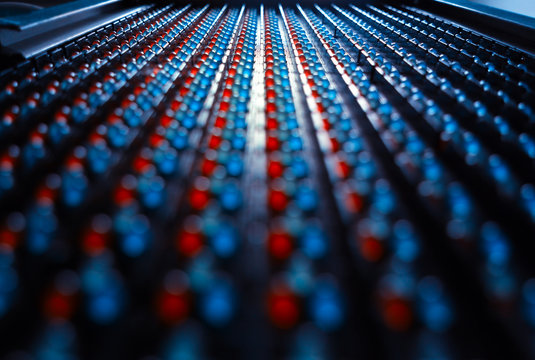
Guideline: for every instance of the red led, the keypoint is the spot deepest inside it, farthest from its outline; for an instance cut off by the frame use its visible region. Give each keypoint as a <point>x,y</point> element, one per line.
<point>8,118</point>
<point>283,309</point>
<point>114,118</point>
<point>343,169</point>
<point>371,248</point>
<point>46,193</point>
<point>275,169</point>
<point>208,166</point>
<point>224,106</point>
<point>94,243</point>
<point>335,144</point>
<point>326,124</point>
<point>272,143</point>
<point>95,137</point>
<point>123,196</point>
<point>72,163</point>
<point>141,164</point>
<point>271,107</point>
<point>138,90</point>
<point>58,305</point>
<point>9,238</point>
<point>173,308</point>
<point>124,104</point>
<point>220,122</point>
<point>271,123</point>
<point>280,245</point>
<point>189,242</point>
<point>6,161</point>
<point>150,78</point>
<point>166,120</point>
<point>36,137</point>
<point>397,314</point>
<point>278,200</point>
<point>270,94</point>
<point>215,141</point>
<point>227,93</point>
<point>156,140</point>
<point>199,198</point>
<point>10,88</point>
<point>354,202</point>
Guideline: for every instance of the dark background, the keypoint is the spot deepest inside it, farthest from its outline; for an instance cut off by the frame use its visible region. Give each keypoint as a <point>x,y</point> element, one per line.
<point>525,7</point>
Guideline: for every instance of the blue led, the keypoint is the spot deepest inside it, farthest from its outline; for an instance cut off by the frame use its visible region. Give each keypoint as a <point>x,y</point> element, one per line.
<point>310,343</point>
<point>136,240</point>
<point>95,275</point>
<point>73,187</point>
<point>217,303</point>
<point>99,157</point>
<point>231,197</point>
<point>295,142</point>
<point>103,289</point>
<point>184,343</point>
<point>495,244</point>
<point>151,189</point>
<point>32,153</point>
<point>178,138</point>
<point>201,272</point>
<point>7,180</point>
<point>188,120</point>
<point>299,167</point>
<point>238,141</point>
<point>57,131</point>
<point>405,243</point>
<point>132,116</point>
<point>8,281</point>
<point>239,122</point>
<point>326,306</point>
<point>433,308</point>
<point>234,165</point>
<point>383,197</point>
<point>314,242</point>
<point>306,198</point>
<point>195,105</point>
<point>42,224</point>
<point>58,342</point>
<point>224,240</point>
<point>118,134</point>
<point>166,159</point>
<point>95,99</point>
<point>105,307</point>
<point>365,168</point>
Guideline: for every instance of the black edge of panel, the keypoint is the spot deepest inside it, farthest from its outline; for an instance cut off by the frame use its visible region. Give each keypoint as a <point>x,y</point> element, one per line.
<point>515,29</point>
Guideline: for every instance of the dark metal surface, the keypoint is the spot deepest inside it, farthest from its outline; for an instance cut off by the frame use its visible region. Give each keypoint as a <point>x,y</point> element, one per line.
<point>516,29</point>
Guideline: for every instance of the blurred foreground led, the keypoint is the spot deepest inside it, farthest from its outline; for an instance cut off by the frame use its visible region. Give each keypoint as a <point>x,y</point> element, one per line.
<point>261,182</point>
